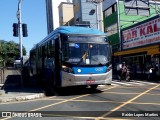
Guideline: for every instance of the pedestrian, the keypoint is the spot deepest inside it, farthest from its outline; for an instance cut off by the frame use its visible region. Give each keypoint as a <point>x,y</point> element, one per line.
<point>151,73</point>
<point>123,70</point>
<point>119,68</point>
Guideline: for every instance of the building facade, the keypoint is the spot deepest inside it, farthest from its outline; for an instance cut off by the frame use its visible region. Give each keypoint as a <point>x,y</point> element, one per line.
<point>115,20</point>
<point>89,13</point>
<point>49,15</point>
<point>52,14</point>
<point>66,14</point>
<point>138,41</point>
<point>141,45</point>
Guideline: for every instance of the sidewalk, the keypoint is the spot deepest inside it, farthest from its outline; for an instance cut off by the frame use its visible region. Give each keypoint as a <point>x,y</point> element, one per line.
<point>20,94</point>
<point>12,91</point>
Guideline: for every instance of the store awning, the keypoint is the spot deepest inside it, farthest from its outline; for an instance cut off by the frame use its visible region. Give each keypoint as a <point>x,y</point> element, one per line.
<point>151,50</point>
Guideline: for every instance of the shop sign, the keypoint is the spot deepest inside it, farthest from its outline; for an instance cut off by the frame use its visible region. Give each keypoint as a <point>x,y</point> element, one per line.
<point>143,34</point>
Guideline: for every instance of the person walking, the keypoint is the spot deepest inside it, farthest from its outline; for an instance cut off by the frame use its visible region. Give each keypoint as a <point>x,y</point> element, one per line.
<point>123,70</point>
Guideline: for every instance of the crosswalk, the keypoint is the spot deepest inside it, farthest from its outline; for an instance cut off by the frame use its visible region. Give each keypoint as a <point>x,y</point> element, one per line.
<point>132,83</point>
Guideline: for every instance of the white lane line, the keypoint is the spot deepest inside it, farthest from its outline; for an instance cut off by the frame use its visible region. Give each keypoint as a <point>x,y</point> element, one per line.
<point>120,83</point>
<point>145,82</point>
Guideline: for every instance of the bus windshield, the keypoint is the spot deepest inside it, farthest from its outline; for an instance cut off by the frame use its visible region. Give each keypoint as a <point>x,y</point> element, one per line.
<point>86,53</point>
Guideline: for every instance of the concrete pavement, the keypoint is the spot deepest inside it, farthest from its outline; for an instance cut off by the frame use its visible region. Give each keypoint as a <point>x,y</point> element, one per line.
<point>15,93</point>
<point>11,90</point>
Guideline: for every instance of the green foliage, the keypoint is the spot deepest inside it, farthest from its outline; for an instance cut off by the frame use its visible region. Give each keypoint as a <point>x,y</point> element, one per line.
<point>9,51</point>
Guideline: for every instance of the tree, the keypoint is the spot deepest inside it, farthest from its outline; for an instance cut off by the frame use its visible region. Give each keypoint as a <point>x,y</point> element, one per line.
<point>9,51</point>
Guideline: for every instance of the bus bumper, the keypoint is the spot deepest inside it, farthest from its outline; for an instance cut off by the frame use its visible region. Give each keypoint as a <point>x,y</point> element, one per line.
<point>69,79</point>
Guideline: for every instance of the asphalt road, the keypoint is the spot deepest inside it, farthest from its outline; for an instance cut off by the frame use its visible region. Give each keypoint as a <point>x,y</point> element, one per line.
<point>106,102</point>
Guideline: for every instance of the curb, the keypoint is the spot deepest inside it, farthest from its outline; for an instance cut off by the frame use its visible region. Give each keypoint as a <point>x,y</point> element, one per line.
<point>21,98</point>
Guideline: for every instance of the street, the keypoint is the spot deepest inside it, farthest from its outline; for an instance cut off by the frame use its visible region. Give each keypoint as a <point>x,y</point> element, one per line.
<point>106,102</point>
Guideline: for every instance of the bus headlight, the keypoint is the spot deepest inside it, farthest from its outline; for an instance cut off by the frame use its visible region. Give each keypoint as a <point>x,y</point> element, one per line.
<point>67,69</point>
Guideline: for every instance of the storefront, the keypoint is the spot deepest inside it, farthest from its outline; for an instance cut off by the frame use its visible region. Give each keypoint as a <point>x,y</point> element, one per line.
<point>141,45</point>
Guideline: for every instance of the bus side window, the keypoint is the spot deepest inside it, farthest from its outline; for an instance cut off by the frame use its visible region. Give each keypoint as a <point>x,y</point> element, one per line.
<point>52,51</point>
<point>52,48</point>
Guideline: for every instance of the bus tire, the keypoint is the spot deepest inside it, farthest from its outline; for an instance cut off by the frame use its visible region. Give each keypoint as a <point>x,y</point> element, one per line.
<point>94,86</point>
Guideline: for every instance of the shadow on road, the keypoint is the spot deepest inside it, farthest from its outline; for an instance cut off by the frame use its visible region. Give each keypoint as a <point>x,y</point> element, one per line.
<point>13,84</point>
<point>69,91</point>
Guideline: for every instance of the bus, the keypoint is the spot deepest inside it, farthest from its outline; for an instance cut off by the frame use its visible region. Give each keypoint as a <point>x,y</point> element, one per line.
<point>72,56</point>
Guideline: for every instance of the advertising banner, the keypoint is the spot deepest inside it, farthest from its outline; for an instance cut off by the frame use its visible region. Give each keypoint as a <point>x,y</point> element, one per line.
<point>142,34</point>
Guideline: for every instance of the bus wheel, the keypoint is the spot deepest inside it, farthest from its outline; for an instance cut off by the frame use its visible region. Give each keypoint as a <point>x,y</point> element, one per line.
<point>94,86</point>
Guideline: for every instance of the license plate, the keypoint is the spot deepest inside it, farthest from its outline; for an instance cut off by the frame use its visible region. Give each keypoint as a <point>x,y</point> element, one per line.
<point>90,81</point>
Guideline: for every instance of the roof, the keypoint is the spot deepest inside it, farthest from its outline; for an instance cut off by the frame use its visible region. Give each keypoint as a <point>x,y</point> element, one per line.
<point>79,30</point>
<point>73,30</point>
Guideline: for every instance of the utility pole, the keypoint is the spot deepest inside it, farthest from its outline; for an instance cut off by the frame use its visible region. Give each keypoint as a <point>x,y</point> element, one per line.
<point>119,26</point>
<point>97,16</point>
<point>97,4</point>
<point>20,37</point>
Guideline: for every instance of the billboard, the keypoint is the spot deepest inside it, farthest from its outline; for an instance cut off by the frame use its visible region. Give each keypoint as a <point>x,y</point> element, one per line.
<point>137,7</point>
<point>142,34</point>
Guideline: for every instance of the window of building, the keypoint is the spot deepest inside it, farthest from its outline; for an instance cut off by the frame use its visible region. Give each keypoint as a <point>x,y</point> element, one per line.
<point>112,29</point>
<point>110,10</point>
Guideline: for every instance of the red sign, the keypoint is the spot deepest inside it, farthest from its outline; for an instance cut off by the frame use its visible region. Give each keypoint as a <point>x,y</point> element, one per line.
<point>143,34</point>
<point>90,81</point>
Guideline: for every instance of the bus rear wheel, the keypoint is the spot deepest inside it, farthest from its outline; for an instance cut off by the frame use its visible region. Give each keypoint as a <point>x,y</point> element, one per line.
<point>94,86</point>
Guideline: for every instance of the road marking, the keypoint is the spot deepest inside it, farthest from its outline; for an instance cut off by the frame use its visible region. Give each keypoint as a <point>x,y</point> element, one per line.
<point>136,83</point>
<point>127,102</point>
<point>63,101</point>
<point>50,105</point>
<point>145,103</point>
<point>38,99</point>
<point>131,83</point>
<point>115,84</point>
<point>120,83</point>
<point>119,93</point>
<point>147,82</point>
<point>108,88</point>
<point>100,101</point>
<point>59,103</point>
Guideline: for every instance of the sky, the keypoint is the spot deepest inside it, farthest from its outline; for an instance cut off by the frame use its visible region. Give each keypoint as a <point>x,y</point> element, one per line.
<point>56,13</point>
<point>33,14</point>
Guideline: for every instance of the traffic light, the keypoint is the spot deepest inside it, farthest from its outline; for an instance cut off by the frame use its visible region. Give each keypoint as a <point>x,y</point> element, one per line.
<point>24,29</point>
<point>15,29</point>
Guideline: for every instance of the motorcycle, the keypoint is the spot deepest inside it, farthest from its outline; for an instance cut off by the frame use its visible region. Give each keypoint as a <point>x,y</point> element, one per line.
<point>124,76</point>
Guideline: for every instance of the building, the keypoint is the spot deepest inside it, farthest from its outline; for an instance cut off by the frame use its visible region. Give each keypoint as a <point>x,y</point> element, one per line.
<point>141,45</point>
<point>52,14</point>
<point>115,20</point>
<point>49,14</point>
<point>88,13</point>
<point>135,39</point>
<point>66,14</point>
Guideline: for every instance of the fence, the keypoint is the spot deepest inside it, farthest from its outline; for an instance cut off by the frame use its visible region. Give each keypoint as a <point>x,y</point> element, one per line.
<point>1,76</point>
